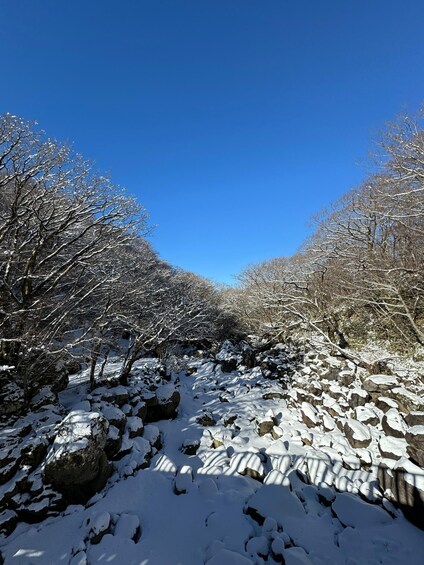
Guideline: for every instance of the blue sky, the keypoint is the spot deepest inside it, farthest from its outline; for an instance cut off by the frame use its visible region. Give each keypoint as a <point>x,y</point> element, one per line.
<point>232,121</point>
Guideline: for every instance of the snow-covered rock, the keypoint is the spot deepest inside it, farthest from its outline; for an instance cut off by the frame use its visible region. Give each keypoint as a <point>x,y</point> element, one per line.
<point>393,424</point>
<point>415,439</point>
<point>380,383</point>
<point>76,463</point>
<point>358,434</point>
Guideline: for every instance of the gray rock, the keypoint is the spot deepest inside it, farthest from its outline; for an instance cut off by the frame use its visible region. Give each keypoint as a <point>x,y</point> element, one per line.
<point>415,419</point>
<point>415,439</point>
<point>393,424</point>
<point>76,463</point>
<point>358,397</point>
<point>357,434</point>
<point>404,485</point>
<point>380,383</point>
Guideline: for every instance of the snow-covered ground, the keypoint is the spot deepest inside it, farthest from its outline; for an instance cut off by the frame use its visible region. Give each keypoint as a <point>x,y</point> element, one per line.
<point>242,477</point>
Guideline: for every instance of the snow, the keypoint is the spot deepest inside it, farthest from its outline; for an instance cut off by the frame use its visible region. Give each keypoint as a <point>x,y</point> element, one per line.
<point>206,507</point>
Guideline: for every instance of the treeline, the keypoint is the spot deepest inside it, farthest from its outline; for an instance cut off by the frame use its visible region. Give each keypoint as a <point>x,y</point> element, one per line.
<point>77,274</point>
<point>360,275</point>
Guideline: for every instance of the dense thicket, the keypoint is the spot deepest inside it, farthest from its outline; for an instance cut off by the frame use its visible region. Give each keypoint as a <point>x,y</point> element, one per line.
<point>76,272</point>
<point>361,273</point>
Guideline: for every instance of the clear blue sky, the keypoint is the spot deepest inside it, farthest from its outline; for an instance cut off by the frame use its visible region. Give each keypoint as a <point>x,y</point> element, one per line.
<point>232,121</point>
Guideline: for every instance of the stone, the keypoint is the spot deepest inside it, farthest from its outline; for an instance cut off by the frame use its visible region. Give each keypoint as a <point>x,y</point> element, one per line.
<point>206,419</point>
<point>380,383</point>
<point>366,416</point>
<point>357,434</point>
<point>113,415</point>
<point>164,404</point>
<point>415,439</point>
<point>384,403</point>
<point>392,448</point>
<point>98,525</point>
<point>309,415</point>
<point>76,463</point>
<point>407,400</point>
<point>393,424</point>
<point>415,418</point>
<point>266,426</point>
<point>8,521</point>
<point>358,397</point>
<point>404,485</point>
<point>134,426</point>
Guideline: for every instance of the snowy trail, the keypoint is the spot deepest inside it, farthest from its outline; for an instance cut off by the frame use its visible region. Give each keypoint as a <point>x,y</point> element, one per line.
<point>223,516</point>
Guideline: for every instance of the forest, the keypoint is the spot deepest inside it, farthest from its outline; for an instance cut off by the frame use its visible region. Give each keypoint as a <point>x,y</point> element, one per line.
<point>79,278</point>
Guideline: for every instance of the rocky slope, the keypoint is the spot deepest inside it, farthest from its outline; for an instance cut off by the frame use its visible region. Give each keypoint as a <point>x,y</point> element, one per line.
<point>254,456</point>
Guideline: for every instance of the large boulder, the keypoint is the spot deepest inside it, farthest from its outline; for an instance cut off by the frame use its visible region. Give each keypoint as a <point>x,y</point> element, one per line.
<point>357,434</point>
<point>163,404</point>
<point>76,463</point>
<point>380,383</point>
<point>408,401</point>
<point>415,439</point>
<point>404,485</point>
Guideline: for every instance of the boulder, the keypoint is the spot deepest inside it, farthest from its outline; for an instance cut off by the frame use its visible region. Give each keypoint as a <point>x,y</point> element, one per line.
<point>415,439</point>
<point>384,403</point>
<point>358,397</point>
<point>366,416</point>
<point>76,463</point>
<point>380,383</point>
<point>404,485</point>
<point>12,399</point>
<point>357,434</point>
<point>164,404</point>
<point>393,424</point>
<point>415,418</point>
<point>407,400</point>
<point>309,415</point>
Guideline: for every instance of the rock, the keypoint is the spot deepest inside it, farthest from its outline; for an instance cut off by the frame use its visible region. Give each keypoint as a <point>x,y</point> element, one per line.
<point>43,397</point>
<point>366,416</point>
<point>128,527</point>
<point>12,399</point>
<point>247,464</point>
<point>8,521</point>
<point>98,525</point>
<point>34,450</point>
<point>415,418</point>
<point>164,404</point>
<point>404,484</point>
<point>346,377</point>
<point>358,397</point>
<point>140,410</point>
<point>274,501</point>
<point>408,401</point>
<point>206,419</point>
<point>76,463</point>
<point>183,479</point>
<point>393,424</point>
<point>352,511</point>
<point>273,396</point>
<point>358,434</point>
<point>392,448</point>
<point>415,439</point>
<point>309,415</point>
<point>153,436</point>
<point>113,415</point>
<point>265,426</point>
<point>384,403</point>
<point>134,426</point>
<point>113,442</point>
<point>380,383</point>
<point>119,394</point>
